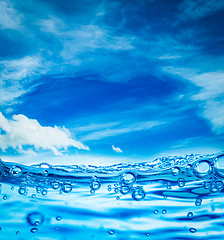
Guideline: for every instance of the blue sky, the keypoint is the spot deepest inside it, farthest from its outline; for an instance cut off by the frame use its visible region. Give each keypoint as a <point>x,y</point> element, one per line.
<point>108,81</point>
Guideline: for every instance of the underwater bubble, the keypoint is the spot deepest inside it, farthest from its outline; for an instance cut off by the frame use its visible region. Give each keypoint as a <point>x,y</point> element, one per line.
<point>207,185</point>
<point>55,185</point>
<point>15,171</point>
<point>66,188</point>
<point>4,197</point>
<point>181,182</point>
<point>118,198</point>
<point>156,212</point>
<point>198,201</point>
<point>168,186</point>
<point>33,195</point>
<point>95,185</point>
<point>219,166</point>
<point>128,178</point>
<point>33,230</point>
<point>116,190</point>
<point>111,232</point>
<point>12,188</point>
<point>203,169</point>
<point>38,189</point>
<point>22,191</point>
<point>164,211</point>
<point>138,194</point>
<point>18,232</point>
<point>219,184</point>
<point>92,236</point>
<point>45,173</point>
<point>44,192</point>
<point>125,190</point>
<point>175,171</point>
<point>147,234</point>
<point>190,215</point>
<point>35,218</point>
<point>92,191</point>
<point>193,230</point>
<point>58,218</point>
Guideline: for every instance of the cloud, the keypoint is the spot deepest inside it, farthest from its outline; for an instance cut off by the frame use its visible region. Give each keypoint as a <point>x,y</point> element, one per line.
<point>9,17</point>
<point>194,9</point>
<point>22,133</point>
<point>110,132</point>
<point>117,149</point>
<point>16,77</point>
<point>210,95</point>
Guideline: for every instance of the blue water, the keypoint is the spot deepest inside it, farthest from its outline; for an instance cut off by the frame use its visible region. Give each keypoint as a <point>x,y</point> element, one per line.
<point>168,198</point>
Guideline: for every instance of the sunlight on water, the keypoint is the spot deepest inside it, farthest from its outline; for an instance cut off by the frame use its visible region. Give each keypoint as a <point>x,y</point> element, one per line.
<point>168,198</point>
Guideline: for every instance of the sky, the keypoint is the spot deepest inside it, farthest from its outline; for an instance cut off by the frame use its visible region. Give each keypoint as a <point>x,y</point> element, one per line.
<point>107,81</point>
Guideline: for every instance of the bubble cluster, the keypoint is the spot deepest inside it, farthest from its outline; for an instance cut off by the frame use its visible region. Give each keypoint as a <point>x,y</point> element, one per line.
<point>138,194</point>
<point>35,218</point>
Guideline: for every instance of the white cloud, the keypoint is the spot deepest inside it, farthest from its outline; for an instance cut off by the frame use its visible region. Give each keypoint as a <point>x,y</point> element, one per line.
<point>22,132</point>
<point>117,149</point>
<point>210,96</point>
<point>199,8</point>
<point>9,17</point>
<point>110,132</point>
<point>15,76</point>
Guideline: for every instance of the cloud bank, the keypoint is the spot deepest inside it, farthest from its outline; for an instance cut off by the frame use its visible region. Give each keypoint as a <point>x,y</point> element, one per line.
<point>23,133</point>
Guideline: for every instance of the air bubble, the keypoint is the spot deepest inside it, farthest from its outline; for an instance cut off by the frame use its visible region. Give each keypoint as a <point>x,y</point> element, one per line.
<point>44,192</point>
<point>156,212</point>
<point>219,166</point>
<point>55,185</point>
<point>219,184</point>
<point>164,211</point>
<point>190,215</point>
<point>33,230</point>
<point>58,218</point>
<point>138,194</point>
<point>128,178</point>
<point>45,173</point>
<point>111,232</point>
<point>66,188</point>
<point>116,190</point>
<point>147,234</point>
<point>12,188</point>
<point>33,195</point>
<point>203,169</point>
<point>22,191</point>
<point>181,182</point>
<point>118,198</point>
<point>38,189</point>
<point>207,185</point>
<point>92,191</point>
<point>125,190</point>
<point>198,201</point>
<point>175,171</point>
<point>15,171</point>
<point>18,232</point>
<point>4,197</point>
<point>95,185</point>
<point>193,230</point>
<point>35,218</point>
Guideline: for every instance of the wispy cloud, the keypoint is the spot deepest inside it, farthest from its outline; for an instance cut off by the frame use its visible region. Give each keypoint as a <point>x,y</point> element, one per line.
<point>199,8</point>
<point>110,132</point>
<point>117,149</point>
<point>9,17</point>
<point>210,97</point>
<point>21,133</point>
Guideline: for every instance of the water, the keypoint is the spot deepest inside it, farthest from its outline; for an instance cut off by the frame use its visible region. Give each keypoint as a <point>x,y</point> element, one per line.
<point>168,198</point>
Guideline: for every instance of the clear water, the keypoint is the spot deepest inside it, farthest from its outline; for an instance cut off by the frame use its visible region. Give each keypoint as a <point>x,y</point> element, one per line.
<point>169,198</point>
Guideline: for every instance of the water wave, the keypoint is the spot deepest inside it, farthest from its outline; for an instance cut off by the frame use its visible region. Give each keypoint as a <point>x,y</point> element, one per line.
<point>168,198</point>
